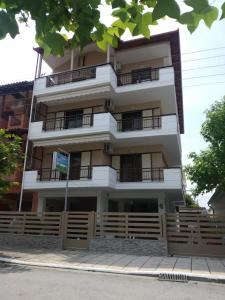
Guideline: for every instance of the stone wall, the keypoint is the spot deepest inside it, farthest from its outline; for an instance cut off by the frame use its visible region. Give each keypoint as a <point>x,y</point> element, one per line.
<point>31,241</point>
<point>129,246</point>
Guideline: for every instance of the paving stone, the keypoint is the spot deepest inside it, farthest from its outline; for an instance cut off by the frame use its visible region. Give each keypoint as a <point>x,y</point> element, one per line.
<point>114,258</point>
<point>123,262</point>
<point>183,265</point>
<point>216,266</point>
<point>167,264</point>
<point>199,265</point>
<point>137,263</point>
<point>98,260</point>
<point>152,263</point>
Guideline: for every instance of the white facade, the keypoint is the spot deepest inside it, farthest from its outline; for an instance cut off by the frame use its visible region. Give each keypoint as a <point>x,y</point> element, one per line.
<point>133,122</point>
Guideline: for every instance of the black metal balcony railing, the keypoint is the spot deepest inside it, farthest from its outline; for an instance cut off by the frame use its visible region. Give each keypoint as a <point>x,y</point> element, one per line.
<point>47,174</point>
<point>71,76</point>
<point>140,174</point>
<point>68,122</point>
<point>139,123</point>
<point>138,76</point>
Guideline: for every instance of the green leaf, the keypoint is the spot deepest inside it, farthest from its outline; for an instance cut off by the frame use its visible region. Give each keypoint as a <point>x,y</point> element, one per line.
<point>55,42</point>
<point>150,3</point>
<point>132,10</point>
<point>164,8</point>
<point>223,11</point>
<point>119,24</point>
<point>121,14</point>
<point>147,19</point>
<point>8,24</point>
<point>187,18</point>
<point>102,45</point>
<point>130,26</point>
<point>192,28</point>
<point>198,5</point>
<point>210,16</point>
<point>118,3</point>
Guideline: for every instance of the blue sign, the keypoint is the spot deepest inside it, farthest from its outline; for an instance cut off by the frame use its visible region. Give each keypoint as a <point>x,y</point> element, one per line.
<point>60,162</point>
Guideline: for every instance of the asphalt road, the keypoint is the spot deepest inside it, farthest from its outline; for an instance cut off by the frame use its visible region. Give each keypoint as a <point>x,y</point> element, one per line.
<point>21,282</point>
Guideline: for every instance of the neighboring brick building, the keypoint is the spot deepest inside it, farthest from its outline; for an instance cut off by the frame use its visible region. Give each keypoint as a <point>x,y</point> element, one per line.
<point>15,102</point>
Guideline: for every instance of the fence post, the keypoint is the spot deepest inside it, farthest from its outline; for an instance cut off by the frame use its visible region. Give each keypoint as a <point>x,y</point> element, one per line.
<point>163,226</point>
<point>91,225</point>
<point>101,223</point>
<point>63,224</point>
<point>24,223</point>
<point>126,225</point>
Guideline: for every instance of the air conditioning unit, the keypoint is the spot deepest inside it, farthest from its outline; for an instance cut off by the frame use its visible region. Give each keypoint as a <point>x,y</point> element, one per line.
<point>109,106</point>
<point>108,148</point>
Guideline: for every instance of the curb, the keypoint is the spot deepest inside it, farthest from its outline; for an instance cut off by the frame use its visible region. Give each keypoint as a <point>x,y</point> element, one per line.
<point>190,276</point>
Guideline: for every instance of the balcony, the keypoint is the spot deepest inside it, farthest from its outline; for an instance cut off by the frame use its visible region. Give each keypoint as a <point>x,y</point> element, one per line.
<point>105,177</point>
<point>138,76</point>
<point>17,122</point>
<point>71,76</point>
<point>150,179</point>
<point>101,80</point>
<point>82,173</point>
<point>139,175</point>
<point>84,177</point>
<point>63,129</point>
<point>76,83</point>
<point>140,131</point>
<point>68,122</point>
<point>143,123</point>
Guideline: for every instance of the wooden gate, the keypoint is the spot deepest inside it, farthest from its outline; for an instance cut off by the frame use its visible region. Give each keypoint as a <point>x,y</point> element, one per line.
<point>78,228</point>
<point>191,234</point>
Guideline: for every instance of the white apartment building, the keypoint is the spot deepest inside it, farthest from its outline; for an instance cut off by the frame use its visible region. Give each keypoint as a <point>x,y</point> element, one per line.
<point>120,116</point>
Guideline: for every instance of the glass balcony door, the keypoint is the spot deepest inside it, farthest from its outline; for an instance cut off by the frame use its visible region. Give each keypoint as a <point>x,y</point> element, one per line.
<point>132,121</point>
<point>131,168</point>
<point>73,119</point>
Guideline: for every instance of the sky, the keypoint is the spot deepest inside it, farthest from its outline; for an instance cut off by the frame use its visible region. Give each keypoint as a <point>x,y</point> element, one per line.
<point>17,63</point>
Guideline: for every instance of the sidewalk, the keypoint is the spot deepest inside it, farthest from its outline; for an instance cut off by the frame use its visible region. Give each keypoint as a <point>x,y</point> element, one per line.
<point>196,268</point>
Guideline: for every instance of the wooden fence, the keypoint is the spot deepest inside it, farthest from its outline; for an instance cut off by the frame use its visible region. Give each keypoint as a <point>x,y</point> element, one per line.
<point>30,223</point>
<point>130,225</point>
<point>187,234</point>
<point>196,234</point>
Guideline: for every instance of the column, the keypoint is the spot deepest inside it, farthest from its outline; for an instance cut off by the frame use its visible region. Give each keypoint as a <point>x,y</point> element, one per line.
<point>162,204</point>
<point>102,202</point>
<point>41,205</point>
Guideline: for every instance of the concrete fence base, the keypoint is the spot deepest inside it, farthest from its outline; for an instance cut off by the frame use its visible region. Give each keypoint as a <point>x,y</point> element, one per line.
<point>129,246</point>
<point>31,241</point>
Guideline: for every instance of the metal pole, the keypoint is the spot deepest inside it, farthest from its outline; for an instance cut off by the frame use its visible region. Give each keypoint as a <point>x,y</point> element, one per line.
<point>72,60</point>
<point>67,184</point>
<point>67,178</point>
<point>27,141</point>
<point>108,54</point>
<point>39,65</point>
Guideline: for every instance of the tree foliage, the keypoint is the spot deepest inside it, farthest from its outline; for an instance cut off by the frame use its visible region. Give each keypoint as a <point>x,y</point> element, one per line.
<point>207,170</point>
<point>190,201</point>
<point>10,158</point>
<point>54,19</point>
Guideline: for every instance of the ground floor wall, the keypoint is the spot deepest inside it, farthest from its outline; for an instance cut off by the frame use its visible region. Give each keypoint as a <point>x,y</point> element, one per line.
<point>31,241</point>
<point>10,201</point>
<point>129,246</point>
<point>106,201</point>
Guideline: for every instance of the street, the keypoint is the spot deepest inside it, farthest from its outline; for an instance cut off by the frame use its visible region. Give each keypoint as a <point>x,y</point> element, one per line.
<point>22,282</point>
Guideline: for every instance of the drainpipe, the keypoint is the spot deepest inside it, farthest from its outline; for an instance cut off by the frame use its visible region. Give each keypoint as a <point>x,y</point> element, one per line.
<point>40,53</point>
<point>72,60</point>
<point>108,54</point>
